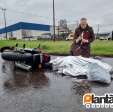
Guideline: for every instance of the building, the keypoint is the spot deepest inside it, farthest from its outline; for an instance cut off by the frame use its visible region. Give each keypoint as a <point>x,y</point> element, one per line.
<point>24,30</point>
<point>63,23</point>
<point>104,36</point>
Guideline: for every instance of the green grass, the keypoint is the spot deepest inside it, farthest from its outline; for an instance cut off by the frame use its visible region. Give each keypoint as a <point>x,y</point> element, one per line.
<point>102,48</point>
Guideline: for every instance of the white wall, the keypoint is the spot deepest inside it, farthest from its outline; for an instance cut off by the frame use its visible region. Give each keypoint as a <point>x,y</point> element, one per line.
<point>2,36</point>
<point>17,34</point>
<point>33,33</point>
<point>29,33</point>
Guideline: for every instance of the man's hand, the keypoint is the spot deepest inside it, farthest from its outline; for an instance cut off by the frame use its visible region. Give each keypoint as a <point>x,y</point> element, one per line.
<point>79,39</point>
<point>85,41</point>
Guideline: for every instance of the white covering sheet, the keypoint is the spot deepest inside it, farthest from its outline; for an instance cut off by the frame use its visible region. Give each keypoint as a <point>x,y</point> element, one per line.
<point>77,65</point>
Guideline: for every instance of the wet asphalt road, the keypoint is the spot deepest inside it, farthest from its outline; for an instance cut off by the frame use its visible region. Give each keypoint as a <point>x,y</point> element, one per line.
<point>45,91</point>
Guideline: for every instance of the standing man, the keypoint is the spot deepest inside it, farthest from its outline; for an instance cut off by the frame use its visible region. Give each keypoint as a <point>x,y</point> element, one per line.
<point>83,37</point>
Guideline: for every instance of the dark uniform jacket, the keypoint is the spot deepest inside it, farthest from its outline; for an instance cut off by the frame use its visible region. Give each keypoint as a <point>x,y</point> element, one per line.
<point>80,48</point>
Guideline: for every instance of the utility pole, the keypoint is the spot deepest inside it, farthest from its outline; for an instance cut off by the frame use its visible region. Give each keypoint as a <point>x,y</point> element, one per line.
<point>54,35</point>
<point>5,23</point>
<point>98,29</point>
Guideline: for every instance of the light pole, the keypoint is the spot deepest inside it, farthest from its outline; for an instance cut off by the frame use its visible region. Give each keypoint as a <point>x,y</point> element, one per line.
<point>4,14</point>
<point>5,23</point>
<point>54,35</point>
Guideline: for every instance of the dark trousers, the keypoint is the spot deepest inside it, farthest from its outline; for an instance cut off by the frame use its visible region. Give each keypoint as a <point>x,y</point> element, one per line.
<point>77,50</point>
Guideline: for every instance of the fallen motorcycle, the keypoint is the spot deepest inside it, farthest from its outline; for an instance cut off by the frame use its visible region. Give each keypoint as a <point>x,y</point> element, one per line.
<point>25,58</point>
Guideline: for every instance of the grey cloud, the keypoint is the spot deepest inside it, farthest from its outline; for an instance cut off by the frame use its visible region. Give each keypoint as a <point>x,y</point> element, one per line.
<point>97,11</point>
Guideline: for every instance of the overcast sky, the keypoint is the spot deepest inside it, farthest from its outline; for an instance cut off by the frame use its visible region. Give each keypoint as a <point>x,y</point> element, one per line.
<point>40,11</point>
